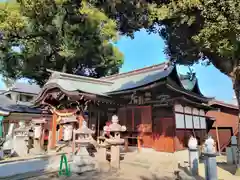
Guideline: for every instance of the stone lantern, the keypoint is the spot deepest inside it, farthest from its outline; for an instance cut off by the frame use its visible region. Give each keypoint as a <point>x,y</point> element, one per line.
<point>209,145</point>
<point>82,161</point>
<point>20,139</point>
<point>115,141</point>
<point>193,155</point>
<point>210,161</point>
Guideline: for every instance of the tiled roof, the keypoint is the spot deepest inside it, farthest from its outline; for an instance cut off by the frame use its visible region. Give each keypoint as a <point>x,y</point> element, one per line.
<point>135,72</point>
<point>71,82</point>
<point>108,84</point>
<point>4,101</point>
<point>2,91</point>
<point>8,105</point>
<point>221,103</point>
<point>111,84</point>
<point>139,77</point>
<point>25,88</point>
<point>21,109</point>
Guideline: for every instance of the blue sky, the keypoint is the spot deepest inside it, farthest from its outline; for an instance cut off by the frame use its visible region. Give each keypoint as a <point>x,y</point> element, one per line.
<point>146,50</point>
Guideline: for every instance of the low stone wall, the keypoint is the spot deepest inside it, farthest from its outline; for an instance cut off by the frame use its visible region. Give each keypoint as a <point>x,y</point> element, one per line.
<point>26,165</point>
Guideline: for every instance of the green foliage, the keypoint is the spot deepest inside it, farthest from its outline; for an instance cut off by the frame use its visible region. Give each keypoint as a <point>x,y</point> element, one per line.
<point>193,30</point>
<point>68,35</point>
<point>197,30</point>
<point>64,35</point>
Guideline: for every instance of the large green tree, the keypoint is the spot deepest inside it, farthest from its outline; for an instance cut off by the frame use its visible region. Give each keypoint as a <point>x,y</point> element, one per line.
<point>64,35</point>
<point>193,30</point>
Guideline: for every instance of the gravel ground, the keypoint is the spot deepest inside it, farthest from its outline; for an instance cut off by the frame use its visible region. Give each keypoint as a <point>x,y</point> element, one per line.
<point>148,166</point>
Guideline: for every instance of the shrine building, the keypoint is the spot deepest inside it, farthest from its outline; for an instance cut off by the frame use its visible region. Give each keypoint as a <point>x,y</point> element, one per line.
<point>155,103</point>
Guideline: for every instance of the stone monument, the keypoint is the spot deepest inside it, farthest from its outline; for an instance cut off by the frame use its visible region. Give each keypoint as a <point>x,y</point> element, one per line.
<point>20,139</point>
<point>115,141</point>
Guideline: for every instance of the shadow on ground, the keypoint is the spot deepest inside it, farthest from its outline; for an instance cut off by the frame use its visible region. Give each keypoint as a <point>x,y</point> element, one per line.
<point>91,175</point>
<point>186,173</point>
<point>231,168</point>
<point>154,177</point>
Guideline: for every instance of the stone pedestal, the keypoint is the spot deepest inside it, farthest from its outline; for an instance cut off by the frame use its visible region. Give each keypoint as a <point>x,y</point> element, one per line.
<point>8,144</point>
<point>20,145</point>
<point>102,155</point>
<point>20,140</point>
<point>115,157</point>
<point>229,155</point>
<point>37,149</point>
<point>234,149</point>
<point>102,150</point>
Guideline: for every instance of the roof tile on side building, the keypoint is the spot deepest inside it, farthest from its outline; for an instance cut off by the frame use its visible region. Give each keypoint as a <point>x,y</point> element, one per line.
<point>221,103</point>
<point>9,105</point>
<point>25,88</point>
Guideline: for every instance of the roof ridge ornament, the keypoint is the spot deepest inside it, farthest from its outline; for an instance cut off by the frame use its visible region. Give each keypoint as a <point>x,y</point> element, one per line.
<point>168,64</point>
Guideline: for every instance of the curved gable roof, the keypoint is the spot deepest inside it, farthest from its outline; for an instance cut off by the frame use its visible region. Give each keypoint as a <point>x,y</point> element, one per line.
<point>119,82</point>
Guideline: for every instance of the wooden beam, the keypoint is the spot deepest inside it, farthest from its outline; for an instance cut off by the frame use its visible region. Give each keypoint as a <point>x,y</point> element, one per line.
<point>98,123</point>
<point>153,85</point>
<point>218,142</point>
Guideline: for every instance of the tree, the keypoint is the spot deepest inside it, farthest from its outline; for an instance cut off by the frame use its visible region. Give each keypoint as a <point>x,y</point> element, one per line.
<point>63,35</point>
<point>193,30</point>
<point>8,82</point>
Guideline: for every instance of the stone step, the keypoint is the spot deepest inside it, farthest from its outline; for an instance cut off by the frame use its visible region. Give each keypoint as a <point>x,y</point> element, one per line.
<point>82,168</point>
<point>79,160</point>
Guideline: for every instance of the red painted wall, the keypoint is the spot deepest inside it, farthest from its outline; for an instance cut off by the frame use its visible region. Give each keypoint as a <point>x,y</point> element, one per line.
<point>226,123</point>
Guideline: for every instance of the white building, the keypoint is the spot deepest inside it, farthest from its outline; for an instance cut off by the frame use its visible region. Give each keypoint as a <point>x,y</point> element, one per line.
<point>22,93</point>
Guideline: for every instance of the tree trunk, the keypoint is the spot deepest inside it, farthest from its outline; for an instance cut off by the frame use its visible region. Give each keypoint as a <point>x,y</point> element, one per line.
<point>236,86</point>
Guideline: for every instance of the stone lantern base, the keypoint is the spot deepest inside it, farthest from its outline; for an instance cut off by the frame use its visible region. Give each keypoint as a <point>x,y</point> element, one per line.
<point>83,162</point>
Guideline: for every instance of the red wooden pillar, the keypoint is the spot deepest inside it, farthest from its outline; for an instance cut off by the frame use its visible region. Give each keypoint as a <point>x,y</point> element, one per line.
<point>80,120</point>
<point>54,131</point>
<point>60,133</point>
